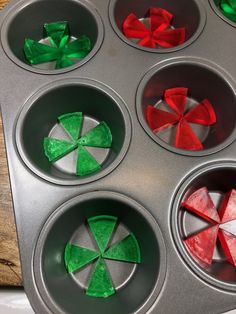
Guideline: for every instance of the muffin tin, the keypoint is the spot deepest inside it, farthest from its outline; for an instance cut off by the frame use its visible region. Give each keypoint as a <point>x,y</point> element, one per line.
<point>144,178</point>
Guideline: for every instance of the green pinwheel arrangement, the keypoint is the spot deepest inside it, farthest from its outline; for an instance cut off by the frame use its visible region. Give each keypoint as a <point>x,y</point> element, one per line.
<point>228,8</point>
<point>61,47</point>
<point>102,229</point>
<point>100,137</point>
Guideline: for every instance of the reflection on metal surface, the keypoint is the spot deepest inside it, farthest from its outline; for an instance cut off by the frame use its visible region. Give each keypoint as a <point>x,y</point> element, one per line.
<point>14,302</point>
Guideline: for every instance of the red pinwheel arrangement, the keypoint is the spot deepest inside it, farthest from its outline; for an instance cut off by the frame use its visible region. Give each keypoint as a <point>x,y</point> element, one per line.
<point>176,114</point>
<point>155,30</point>
<point>201,245</point>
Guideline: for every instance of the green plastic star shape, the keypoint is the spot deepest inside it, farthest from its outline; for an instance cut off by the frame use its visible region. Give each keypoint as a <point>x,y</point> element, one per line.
<point>99,137</point>
<point>127,250</point>
<point>61,48</point>
<point>228,8</point>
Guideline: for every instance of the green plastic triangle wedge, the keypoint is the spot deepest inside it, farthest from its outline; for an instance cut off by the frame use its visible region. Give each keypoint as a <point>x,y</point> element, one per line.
<point>126,250</point>
<point>86,163</point>
<point>56,31</point>
<point>77,257</point>
<point>55,149</point>
<point>100,136</point>
<point>63,62</point>
<point>72,123</point>
<point>102,228</point>
<point>228,8</point>
<point>64,41</point>
<point>100,284</point>
<point>59,46</point>
<point>78,48</point>
<point>37,53</point>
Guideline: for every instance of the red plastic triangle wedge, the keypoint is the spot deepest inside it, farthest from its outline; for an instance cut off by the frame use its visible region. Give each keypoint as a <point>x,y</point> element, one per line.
<point>159,120</point>
<point>133,28</point>
<point>227,210</point>
<point>228,243</point>
<point>147,41</point>
<point>176,99</point>
<point>203,114</point>
<point>186,138</point>
<point>169,38</point>
<point>201,245</point>
<point>200,203</point>
<point>159,16</point>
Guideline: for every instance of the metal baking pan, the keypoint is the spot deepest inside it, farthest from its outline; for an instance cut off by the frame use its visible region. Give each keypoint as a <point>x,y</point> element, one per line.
<point>143,178</point>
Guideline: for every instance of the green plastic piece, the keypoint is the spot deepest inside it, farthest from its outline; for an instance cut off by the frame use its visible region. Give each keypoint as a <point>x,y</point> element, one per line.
<point>72,123</point>
<point>78,48</point>
<point>100,284</point>
<point>62,49</point>
<point>77,257</point>
<point>57,32</point>
<point>86,163</point>
<point>102,228</point>
<point>55,149</point>
<point>126,250</point>
<point>37,53</point>
<point>63,62</point>
<point>228,8</point>
<point>100,136</point>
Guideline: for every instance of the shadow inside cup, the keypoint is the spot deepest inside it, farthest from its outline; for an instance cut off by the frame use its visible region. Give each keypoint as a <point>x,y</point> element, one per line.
<point>134,284</point>
<point>28,18</point>
<point>202,83</point>
<point>38,120</point>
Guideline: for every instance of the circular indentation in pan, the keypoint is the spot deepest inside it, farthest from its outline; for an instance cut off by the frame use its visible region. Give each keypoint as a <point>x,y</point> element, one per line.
<point>38,119</point>
<point>204,80</point>
<point>137,287</point>
<point>27,18</point>
<point>215,6</point>
<point>187,13</point>
<point>218,178</point>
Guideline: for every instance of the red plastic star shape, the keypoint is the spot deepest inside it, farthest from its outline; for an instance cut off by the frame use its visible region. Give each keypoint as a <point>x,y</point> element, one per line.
<point>203,114</point>
<point>158,34</point>
<point>202,244</point>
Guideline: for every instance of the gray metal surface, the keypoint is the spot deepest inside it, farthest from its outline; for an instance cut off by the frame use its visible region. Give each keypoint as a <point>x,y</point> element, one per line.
<point>143,174</point>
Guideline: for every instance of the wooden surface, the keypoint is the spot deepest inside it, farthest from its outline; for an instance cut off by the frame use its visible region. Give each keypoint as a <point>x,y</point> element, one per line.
<point>10,273</point>
<point>3,3</point>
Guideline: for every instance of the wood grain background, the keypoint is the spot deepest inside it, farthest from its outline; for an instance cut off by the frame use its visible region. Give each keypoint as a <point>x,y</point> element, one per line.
<point>3,3</point>
<point>10,271</point>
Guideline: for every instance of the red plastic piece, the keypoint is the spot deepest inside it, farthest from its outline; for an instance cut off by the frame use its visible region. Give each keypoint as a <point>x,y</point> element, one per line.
<point>159,16</point>
<point>200,203</point>
<point>185,137</point>
<point>228,208</point>
<point>228,243</point>
<point>159,120</point>
<point>159,32</point>
<point>202,245</point>
<point>203,114</point>
<point>176,99</point>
